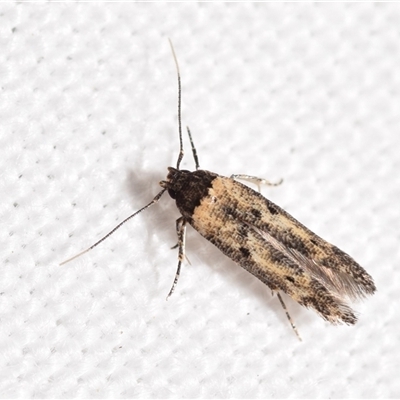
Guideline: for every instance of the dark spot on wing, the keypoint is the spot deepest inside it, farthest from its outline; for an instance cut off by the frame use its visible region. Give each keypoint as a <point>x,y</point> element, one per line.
<point>245,252</point>
<point>290,279</point>
<point>295,242</point>
<point>272,209</point>
<point>229,211</point>
<point>243,230</point>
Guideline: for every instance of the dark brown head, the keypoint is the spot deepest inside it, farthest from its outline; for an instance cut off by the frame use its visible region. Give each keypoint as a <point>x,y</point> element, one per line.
<point>188,188</point>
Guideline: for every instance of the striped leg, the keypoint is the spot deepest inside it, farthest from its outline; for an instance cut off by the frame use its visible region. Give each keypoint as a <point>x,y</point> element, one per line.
<point>181,232</point>
<point>288,316</point>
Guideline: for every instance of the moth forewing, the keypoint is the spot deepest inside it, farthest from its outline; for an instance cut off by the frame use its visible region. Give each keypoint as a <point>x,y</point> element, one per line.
<point>276,248</point>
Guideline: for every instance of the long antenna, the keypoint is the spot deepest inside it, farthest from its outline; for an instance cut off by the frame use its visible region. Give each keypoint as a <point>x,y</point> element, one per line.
<point>155,200</point>
<point>181,152</point>
<point>158,196</point>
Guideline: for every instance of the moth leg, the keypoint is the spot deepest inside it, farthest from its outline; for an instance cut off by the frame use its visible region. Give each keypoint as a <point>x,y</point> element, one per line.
<point>187,258</point>
<point>256,180</point>
<point>288,316</point>
<point>181,232</point>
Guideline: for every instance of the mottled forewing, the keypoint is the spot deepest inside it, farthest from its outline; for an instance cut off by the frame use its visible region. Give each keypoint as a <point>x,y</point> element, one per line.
<point>279,250</point>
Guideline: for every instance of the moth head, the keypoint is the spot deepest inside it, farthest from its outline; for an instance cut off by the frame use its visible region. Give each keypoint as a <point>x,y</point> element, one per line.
<point>169,183</point>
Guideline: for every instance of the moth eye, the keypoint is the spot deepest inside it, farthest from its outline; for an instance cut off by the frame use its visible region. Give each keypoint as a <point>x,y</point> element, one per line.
<point>172,193</point>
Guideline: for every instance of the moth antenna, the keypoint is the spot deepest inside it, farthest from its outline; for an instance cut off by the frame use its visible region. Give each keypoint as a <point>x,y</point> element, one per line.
<point>181,152</point>
<point>155,200</point>
<point>194,151</point>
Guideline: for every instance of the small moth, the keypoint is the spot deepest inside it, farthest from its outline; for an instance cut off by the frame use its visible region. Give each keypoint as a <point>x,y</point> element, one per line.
<point>261,237</point>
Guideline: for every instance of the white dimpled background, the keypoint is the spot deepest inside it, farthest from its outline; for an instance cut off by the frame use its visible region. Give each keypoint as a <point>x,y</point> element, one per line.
<point>88,126</point>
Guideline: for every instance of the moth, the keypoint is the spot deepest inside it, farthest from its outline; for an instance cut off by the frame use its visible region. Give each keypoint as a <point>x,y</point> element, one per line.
<point>261,237</point>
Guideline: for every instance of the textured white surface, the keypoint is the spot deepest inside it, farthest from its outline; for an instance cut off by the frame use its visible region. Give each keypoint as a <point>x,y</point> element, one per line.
<point>304,92</point>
